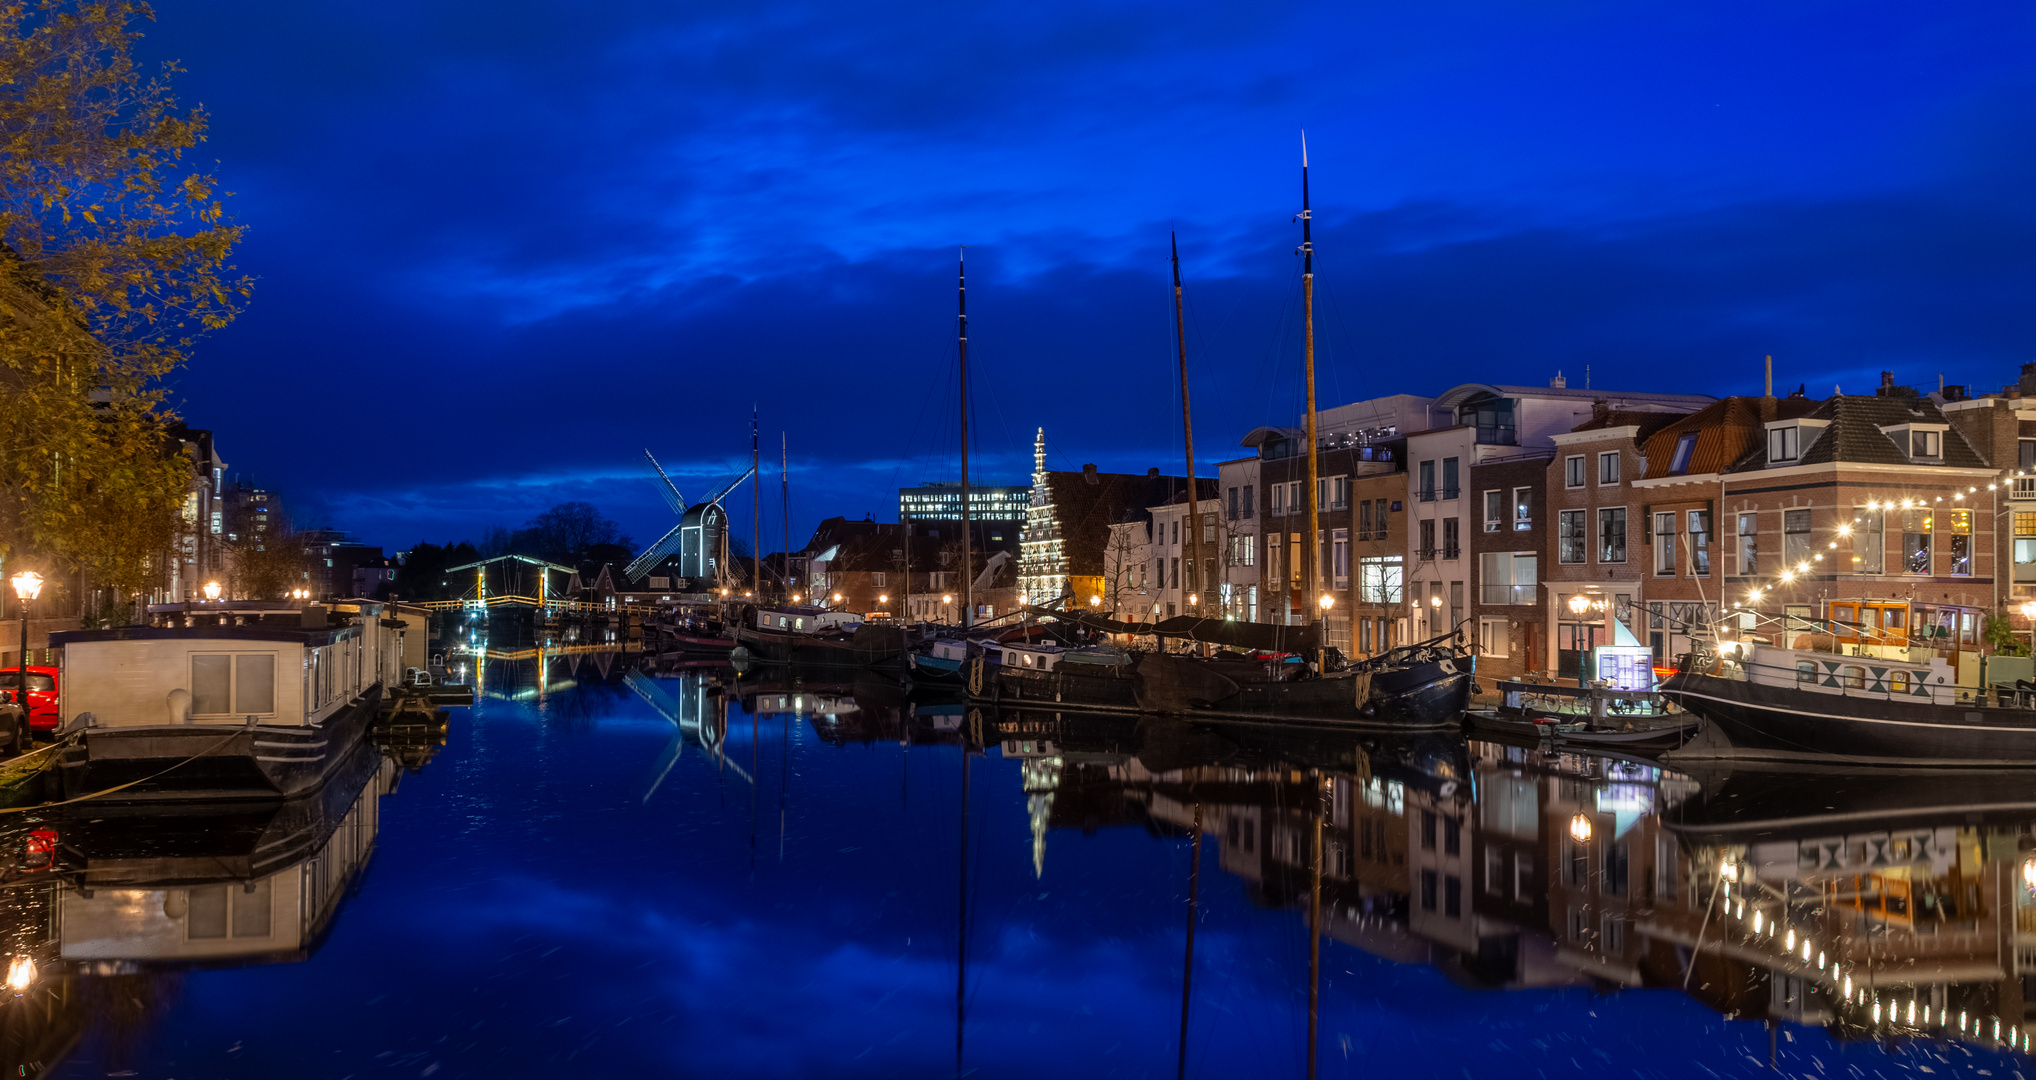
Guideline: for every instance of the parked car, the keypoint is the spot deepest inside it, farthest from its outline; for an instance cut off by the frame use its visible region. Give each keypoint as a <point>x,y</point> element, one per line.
<point>43,712</point>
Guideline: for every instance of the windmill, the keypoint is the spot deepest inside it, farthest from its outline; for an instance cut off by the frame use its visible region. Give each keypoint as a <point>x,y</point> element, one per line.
<point>698,537</point>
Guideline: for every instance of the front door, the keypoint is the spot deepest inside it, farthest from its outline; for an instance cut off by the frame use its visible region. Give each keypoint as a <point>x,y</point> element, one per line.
<point>1574,642</point>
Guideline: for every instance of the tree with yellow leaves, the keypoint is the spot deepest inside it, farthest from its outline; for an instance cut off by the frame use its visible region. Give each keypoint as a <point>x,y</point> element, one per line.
<point>115,261</point>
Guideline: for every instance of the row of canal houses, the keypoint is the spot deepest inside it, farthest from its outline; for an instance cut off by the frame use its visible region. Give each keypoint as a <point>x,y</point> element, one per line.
<point>1535,518</point>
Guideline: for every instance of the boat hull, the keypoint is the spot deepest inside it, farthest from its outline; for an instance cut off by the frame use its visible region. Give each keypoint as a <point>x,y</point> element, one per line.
<point>214,761</point>
<point>869,647</point>
<point>933,668</point>
<point>1779,723</point>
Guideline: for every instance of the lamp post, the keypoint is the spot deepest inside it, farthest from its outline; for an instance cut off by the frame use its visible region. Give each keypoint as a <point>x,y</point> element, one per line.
<point>211,590</point>
<point>2028,610</point>
<point>27,586</point>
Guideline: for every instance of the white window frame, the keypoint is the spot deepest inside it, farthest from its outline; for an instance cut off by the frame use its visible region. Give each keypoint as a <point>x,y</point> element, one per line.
<point>1573,472</point>
<point>1608,468</point>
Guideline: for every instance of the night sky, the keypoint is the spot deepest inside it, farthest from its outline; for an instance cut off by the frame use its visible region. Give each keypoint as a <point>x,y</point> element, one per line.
<point>502,247</point>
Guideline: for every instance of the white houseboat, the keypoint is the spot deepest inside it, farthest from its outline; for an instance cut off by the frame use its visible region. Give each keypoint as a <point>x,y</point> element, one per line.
<point>223,699</point>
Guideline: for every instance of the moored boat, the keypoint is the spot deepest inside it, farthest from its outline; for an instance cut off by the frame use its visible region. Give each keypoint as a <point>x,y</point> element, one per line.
<point>1779,704</point>
<point>817,637</point>
<point>223,699</point>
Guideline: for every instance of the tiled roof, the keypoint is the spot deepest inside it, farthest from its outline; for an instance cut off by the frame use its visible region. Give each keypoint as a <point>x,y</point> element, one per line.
<point>1726,432</point>
<point>1854,435</point>
<point>1647,420</point>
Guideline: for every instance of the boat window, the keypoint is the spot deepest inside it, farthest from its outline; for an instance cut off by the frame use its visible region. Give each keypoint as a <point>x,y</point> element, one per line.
<point>1892,618</point>
<point>1806,671</point>
<point>254,684</point>
<point>782,620</point>
<point>1853,677</point>
<point>211,684</point>
<point>1844,613</point>
<point>798,624</point>
<point>1898,682</point>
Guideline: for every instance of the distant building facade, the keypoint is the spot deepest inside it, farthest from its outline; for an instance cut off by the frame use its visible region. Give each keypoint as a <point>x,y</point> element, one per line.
<point>941,501</point>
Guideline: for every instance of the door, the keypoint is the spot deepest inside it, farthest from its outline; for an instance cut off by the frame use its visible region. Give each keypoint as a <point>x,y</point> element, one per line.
<point>1574,642</point>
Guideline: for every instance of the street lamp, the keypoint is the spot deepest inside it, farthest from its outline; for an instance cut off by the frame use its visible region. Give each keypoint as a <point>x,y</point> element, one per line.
<point>1580,829</point>
<point>1327,601</point>
<point>211,590</point>
<point>2028,610</point>
<point>27,586</point>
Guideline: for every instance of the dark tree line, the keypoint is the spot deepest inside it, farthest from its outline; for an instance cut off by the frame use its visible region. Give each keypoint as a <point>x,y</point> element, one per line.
<point>571,533</point>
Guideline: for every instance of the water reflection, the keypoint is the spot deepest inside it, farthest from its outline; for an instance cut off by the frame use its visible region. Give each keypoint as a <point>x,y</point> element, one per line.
<point>968,879</point>
<point>141,894</point>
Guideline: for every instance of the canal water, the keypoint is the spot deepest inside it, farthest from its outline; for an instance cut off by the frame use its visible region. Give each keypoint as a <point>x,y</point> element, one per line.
<point>609,872</point>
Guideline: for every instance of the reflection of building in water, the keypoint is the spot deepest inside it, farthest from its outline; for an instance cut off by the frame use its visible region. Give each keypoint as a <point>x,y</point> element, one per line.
<point>1528,868</point>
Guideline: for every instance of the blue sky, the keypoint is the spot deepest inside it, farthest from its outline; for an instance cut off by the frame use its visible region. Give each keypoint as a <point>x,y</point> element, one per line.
<point>504,247</point>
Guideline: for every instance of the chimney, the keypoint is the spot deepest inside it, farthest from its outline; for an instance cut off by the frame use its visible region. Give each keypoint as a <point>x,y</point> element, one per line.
<point>1089,472</point>
<point>1769,391</point>
<point>2027,383</point>
<point>1152,473</point>
<point>1954,392</point>
<point>1767,411</point>
<point>1601,410</point>
<point>1558,382</point>
<point>1887,384</point>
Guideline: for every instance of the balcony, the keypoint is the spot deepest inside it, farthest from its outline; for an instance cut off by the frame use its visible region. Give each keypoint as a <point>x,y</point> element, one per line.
<point>2024,488</point>
<point>1450,493</point>
<point>1452,552</point>
<point>1515,595</point>
<point>1425,494</point>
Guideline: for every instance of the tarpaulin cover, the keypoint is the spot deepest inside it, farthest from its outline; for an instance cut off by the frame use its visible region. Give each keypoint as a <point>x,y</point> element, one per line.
<point>1239,635</point>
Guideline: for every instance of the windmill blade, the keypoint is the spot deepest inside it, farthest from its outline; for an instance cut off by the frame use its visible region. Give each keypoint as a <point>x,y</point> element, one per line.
<point>665,547</point>
<point>671,490</point>
<point>730,486</point>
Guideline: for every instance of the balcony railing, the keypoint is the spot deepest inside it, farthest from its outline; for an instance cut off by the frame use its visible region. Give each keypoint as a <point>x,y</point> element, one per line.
<point>1425,495</point>
<point>2025,488</point>
<point>1506,594</point>
<point>1451,552</point>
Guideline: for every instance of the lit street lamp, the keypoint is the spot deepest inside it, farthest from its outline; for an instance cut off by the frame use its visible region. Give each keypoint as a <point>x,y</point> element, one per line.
<point>211,590</point>
<point>27,586</point>
<point>2029,612</point>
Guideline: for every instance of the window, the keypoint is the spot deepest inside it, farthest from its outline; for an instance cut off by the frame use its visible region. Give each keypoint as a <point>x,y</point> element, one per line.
<point>233,684</point>
<point>1570,539</point>
<point>2025,546</point>
<point>1426,549</point>
<point>1700,543</point>
<point>1491,416</point>
<point>1523,509</point>
<point>1177,531</point>
<point>1279,500</point>
<point>1427,890</point>
<point>1685,449</point>
<point>1616,868</point>
<point>1495,510</point>
<point>1613,934</point>
<point>1852,677</point>
<point>876,579</point>
<point>1378,579</point>
<point>1576,865</point>
<point>1612,534</point>
<point>1428,830</point>
<point>1233,504</point>
<point>1495,868</point>
<point>1248,504</point>
<point>1494,638</point>
<point>1806,672</point>
<point>1452,897</point>
<point>1378,518</point>
<point>1294,504</point>
<point>1664,544</point>
<point>1506,578</point>
<point>1898,682</point>
<point>1959,523</point>
<point>1573,471</point>
<point>1452,836</point>
<point>1426,493</point>
<point>1749,545</point>
<point>1916,527</point>
<point>1523,875</point>
<point>1925,443</point>
<point>1784,444</point>
<point>1608,468</point>
<point>1177,571</point>
<point>1869,542</point>
<point>1339,558</point>
<point>1449,478</point>
<point>1451,543</point>
<point>1795,539</point>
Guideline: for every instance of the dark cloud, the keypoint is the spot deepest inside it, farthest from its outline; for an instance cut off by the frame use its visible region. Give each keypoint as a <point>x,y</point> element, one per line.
<point>503,248</point>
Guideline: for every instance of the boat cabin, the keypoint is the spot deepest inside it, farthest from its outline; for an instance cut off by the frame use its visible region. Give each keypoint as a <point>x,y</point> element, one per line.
<point>806,620</point>
<point>1902,625</point>
<point>228,663</point>
<point>1031,657</point>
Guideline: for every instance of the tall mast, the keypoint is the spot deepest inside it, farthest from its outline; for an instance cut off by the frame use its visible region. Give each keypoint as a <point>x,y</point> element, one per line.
<point>755,510</point>
<point>968,575</point>
<point>785,494</point>
<point>1309,556</point>
<point>1188,432</point>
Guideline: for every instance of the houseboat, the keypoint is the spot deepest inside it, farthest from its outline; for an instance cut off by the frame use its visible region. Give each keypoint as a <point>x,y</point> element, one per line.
<point>812,636</point>
<point>235,699</point>
<point>1892,684</point>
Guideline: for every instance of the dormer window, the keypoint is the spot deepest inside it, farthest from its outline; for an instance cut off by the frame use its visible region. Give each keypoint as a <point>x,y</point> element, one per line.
<point>1685,449</point>
<point>1784,443</point>
<point>1923,443</point>
<point>1789,440</point>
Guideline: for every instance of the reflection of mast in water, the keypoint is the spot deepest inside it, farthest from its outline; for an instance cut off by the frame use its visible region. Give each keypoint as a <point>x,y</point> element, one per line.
<point>1041,777</point>
<point>1188,960</point>
<point>962,916</point>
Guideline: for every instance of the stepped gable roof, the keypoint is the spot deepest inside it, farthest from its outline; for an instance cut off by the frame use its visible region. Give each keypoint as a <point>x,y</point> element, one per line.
<point>1854,435</point>
<point>1726,432</point>
<point>1087,503</point>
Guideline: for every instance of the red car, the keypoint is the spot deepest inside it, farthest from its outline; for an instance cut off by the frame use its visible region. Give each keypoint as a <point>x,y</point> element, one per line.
<point>43,714</point>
